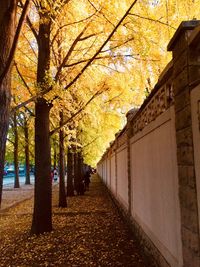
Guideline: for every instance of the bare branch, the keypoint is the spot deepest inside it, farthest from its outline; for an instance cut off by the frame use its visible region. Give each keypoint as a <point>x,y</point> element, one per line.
<point>110,100</point>
<point>117,46</point>
<point>150,19</point>
<point>29,111</point>
<point>101,13</point>
<point>9,140</point>
<point>30,100</point>
<point>32,28</point>
<point>22,78</point>
<point>30,45</point>
<point>108,67</point>
<point>27,56</point>
<point>89,36</point>
<point>110,56</point>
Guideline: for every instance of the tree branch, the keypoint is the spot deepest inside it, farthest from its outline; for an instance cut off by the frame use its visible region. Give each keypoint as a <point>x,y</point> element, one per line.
<point>102,46</point>
<point>101,13</point>
<point>154,20</point>
<point>68,54</point>
<point>9,140</point>
<point>69,24</point>
<point>30,111</point>
<point>117,46</point>
<point>85,67</point>
<point>30,45</point>
<point>88,36</point>
<point>32,28</point>
<point>76,113</point>
<point>22,78</point>
<point>30,100</point>
<point>15,41</point>
<point>110,56</point>
<point>88,144</point>
<point>27,56</point>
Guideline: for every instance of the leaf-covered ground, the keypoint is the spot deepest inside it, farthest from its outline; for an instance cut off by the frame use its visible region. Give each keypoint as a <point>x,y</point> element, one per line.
<point>88,233</point>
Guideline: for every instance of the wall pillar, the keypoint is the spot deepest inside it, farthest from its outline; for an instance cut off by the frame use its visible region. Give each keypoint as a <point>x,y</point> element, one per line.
<point>183,79</point>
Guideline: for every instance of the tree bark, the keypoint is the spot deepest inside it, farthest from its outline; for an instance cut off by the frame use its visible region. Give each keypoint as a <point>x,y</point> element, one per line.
<point>8,12</point>
<point>27,160</point>
<point>54,154</point>
<point>77,169</point>
<point>16,159</point>
<point>62,193</point>
<point>76,180</point>
<point>70,182</point>
<point>42,214</point>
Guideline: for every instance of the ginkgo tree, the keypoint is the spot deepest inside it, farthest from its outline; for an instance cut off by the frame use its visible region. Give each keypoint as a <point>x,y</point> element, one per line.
<point>48,11</point>
<point>77,46</point>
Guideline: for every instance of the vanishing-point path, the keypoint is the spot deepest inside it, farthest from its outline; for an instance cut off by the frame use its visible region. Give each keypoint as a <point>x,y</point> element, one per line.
<point>89,232</point>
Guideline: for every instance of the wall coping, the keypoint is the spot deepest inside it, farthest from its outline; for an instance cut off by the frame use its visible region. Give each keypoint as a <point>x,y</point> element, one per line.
<point>195,36</point>
<point>184,26</point>
<point>163,78</point>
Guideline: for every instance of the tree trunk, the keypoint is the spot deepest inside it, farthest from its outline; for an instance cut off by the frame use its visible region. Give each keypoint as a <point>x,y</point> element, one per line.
<point>62,193</point>
<point>54,154</point>
<point>42,215</point>
<point>70,182</point>
<point>80,165</point>
<point>76,180</point>
<point>16,159</point>
<point>8,12</point>
<point>27,161</point>
<point>77,169</point>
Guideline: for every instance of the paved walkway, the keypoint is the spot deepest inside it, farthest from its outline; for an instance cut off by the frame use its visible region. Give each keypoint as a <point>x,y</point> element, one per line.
<point>11,196</point>
<point>89,232</point>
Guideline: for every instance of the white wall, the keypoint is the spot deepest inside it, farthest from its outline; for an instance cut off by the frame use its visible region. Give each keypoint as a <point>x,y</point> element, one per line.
<point>104,171</point>
<point>122,176</point>
<point>154,183</point>
<point>195,106</point>
<point>154,179</point>
<point>113,175</point>
<point>99,169</point>
<point>108,172</point>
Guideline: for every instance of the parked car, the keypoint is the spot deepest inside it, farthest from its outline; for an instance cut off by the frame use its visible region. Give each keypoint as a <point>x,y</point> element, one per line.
<point>11,169</point>
<point>21,169</point>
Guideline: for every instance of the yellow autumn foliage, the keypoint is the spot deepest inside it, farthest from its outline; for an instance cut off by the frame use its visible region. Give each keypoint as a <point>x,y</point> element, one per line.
<point>130,61</point>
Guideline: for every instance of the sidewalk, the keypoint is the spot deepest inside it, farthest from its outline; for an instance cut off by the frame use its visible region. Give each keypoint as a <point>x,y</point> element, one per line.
<point>12,196</point>
<point>89,232</point>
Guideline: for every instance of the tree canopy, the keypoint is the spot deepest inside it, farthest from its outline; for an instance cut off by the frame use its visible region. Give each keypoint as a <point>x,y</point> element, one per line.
<point>120,71</point>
